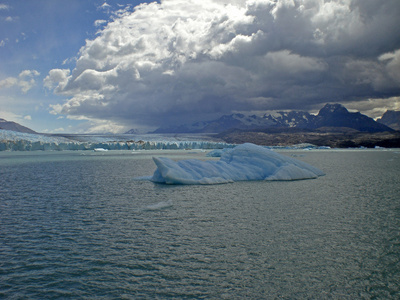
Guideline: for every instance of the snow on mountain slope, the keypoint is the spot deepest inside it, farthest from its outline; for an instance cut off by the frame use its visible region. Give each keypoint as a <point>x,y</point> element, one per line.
<point>299,119</point>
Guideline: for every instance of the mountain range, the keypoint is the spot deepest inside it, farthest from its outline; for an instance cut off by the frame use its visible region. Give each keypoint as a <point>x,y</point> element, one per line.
<point>330,118</point>
<point>331,115</point>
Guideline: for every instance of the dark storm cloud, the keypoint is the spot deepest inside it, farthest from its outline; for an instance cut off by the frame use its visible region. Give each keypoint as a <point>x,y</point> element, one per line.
<point>176,61</point>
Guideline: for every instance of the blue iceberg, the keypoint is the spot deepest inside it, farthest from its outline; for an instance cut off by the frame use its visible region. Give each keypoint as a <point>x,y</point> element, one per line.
<point>242,163</point>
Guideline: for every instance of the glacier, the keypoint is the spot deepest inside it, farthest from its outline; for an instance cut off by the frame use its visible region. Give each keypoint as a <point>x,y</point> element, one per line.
<point>244,162</point>
<point>17,141</point>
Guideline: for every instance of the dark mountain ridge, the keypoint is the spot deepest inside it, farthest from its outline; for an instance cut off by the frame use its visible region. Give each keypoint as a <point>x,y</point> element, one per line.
<point>9,125</point>
<point>331,115</point>
<point>391,118</point>
<point>336,115</point>
<point>334,137</point>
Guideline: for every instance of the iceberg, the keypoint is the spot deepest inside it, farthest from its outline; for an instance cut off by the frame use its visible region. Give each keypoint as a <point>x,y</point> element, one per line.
<point>100,150</point>
<point>243,163</point>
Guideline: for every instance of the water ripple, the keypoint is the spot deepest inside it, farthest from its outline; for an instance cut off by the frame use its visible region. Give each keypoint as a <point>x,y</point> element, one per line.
<point>85,229</point>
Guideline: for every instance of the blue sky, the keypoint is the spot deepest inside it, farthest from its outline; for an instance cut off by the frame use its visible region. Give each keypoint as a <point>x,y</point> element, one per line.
<point>42,35</point>
<point>108,66</point>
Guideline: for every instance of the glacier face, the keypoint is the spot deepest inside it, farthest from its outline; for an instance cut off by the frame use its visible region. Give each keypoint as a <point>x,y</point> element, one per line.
<point>242,163</point>
<point>17,141</point>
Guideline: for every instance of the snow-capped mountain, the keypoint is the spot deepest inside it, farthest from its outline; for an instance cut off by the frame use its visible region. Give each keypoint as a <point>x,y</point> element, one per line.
<point>331,115</point>
<point>132,131</point>
<point>299,119</point>
<point>8,125</point>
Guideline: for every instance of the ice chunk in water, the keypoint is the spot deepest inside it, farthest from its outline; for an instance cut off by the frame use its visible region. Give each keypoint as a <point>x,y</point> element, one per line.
<point>159,205</point>
<point>244,162</point>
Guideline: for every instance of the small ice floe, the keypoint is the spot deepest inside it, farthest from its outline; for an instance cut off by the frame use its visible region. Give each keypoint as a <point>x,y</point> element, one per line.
<point>100,150</point>
<point>159,206</point>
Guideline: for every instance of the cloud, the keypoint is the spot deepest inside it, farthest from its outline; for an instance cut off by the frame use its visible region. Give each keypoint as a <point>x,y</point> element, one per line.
<point>25,81</point>
<point>61,129</point>
<point>375,108</point>
<point>105,6</point>
<point>8,82</point>
<point>99,23</point>
<point>10,116</point>
<point>28,73</point>
<point>392,60</point>
<point>95,126</point>
<point>57,79</point>
<point>178,61</point>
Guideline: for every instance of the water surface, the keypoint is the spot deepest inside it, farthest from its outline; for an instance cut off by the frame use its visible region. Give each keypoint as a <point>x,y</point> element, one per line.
<point>78,225</point>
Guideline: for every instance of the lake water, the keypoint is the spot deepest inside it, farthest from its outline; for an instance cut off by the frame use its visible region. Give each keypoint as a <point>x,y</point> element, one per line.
<point>78,225</point>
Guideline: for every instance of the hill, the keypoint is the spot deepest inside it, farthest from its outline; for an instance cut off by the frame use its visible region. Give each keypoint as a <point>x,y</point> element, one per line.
<point>8,125</point>
<point>334,137</point>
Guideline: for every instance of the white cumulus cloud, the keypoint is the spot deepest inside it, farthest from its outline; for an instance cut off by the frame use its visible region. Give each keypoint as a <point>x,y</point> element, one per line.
<point>57,79</point>
<point>25,81</point>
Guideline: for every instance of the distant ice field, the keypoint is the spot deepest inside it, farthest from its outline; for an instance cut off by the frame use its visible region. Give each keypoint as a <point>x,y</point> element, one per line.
<point>17,141</point>
<point>77,224</point>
